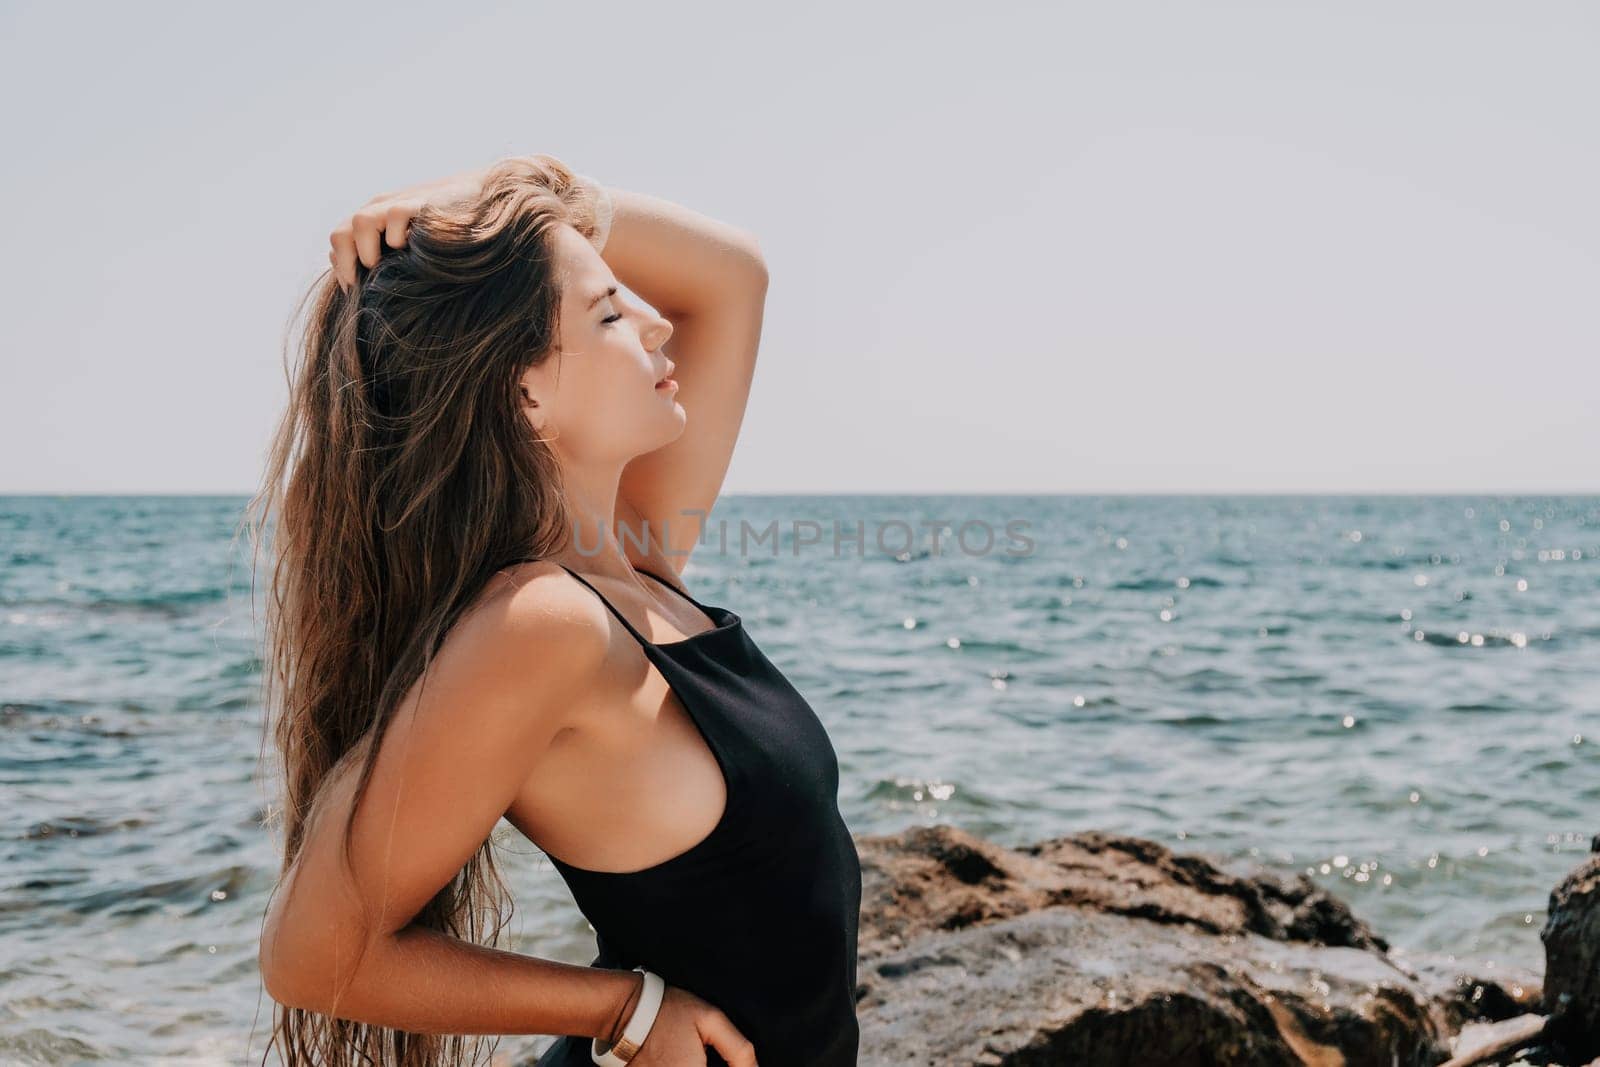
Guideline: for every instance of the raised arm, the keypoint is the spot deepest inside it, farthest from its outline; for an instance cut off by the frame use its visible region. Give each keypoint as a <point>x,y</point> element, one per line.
<point>707,277</point>
<point>710,280</point>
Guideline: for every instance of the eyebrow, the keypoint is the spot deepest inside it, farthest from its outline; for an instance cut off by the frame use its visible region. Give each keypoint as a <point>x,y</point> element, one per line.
<point>601,296</point>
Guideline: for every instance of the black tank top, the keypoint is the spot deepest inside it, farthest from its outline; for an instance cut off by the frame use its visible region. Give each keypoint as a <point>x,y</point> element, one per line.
<point>759,917</point>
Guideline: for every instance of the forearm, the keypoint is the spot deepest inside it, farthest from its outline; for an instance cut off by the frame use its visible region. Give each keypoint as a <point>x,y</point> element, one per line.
<point>677,259</point>
<point>425,981</point>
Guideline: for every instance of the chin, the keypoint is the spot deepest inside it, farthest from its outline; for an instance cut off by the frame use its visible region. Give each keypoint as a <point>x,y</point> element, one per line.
<point>676,423</point>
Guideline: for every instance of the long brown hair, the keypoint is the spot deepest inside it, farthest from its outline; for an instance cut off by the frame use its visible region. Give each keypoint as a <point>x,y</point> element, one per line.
<point>401,475</point>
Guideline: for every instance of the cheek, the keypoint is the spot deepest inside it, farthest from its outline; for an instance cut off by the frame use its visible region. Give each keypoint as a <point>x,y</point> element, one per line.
<point>615,398</point>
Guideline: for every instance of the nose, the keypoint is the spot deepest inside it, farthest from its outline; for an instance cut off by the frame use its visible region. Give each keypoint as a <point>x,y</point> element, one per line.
<point>660,332</point>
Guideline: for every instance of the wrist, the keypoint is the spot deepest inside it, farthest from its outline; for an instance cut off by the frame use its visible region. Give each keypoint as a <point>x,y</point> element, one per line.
<point>622,992</point>
<point>637,1028</point>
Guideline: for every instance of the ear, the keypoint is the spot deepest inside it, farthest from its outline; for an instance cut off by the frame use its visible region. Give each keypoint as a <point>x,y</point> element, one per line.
<point>532,409</point>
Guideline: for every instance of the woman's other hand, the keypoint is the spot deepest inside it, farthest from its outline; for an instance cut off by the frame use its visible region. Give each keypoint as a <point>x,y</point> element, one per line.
<point>684,1026</point>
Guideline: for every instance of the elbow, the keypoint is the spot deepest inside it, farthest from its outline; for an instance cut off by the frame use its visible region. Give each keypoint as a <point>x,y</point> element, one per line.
<point>280,995</point>
<point>280,980</point>
<point>755,260</point>
<point>272,954</point>
<point>306,986</point>
<point>275,981</point>
<point>297,972</point>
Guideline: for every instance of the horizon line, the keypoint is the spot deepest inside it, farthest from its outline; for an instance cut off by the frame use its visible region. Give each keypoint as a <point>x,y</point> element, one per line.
<point>732,493</point>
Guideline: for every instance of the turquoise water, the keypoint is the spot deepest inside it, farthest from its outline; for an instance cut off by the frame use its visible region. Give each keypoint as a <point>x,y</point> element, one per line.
<point>1398,695</point>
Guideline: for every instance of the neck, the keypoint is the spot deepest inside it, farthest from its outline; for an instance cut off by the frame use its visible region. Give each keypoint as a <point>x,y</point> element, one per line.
<point>591,499</point>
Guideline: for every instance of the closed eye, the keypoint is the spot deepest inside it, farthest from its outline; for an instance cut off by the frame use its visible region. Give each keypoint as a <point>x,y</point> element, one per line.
<point>611,318</point>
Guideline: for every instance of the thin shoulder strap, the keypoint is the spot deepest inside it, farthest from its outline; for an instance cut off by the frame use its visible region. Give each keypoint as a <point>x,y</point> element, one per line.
<point>623,619</point>
<point>612,607</point>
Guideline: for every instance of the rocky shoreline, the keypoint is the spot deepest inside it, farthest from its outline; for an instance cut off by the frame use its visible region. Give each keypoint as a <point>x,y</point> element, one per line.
<point>1099,949</point>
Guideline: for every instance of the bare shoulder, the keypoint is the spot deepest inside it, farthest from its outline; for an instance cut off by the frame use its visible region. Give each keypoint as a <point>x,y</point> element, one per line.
<point>532,638</point>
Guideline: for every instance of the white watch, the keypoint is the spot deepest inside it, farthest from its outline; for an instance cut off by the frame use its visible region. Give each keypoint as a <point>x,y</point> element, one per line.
<point>639,1024</point>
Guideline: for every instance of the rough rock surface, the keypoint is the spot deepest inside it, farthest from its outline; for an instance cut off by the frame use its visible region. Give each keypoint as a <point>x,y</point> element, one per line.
<point>1571,937</point>
<point>1103,949</point>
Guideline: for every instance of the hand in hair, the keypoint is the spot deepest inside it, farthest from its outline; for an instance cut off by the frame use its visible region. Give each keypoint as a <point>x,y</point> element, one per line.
<point>387,217</point>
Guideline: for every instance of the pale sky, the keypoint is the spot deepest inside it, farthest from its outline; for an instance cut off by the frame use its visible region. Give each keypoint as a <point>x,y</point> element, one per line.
<point>1105,247</point>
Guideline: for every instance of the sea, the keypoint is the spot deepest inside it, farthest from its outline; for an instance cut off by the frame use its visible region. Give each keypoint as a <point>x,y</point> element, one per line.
<point>1395,694</point>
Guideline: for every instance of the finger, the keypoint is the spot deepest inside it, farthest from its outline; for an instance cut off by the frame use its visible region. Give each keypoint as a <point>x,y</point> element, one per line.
<point>368,234</point>
<point>719,1030</point>
<point>344,254</point>
<point>396,223</point>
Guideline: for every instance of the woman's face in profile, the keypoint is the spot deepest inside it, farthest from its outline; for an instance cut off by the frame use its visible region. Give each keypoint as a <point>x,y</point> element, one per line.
<point>598,400</point>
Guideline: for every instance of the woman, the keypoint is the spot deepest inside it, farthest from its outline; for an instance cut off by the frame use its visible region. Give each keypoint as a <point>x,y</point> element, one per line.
<point>483,490</point>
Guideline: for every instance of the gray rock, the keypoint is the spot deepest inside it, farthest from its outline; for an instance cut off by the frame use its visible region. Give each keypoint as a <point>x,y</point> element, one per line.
<point>1571,936</point>
<point>1102,949</point>
<point>1474,992</point>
